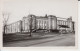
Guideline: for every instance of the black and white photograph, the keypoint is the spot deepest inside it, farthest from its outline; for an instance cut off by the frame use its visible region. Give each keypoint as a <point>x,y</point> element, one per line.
<point>39,23</point>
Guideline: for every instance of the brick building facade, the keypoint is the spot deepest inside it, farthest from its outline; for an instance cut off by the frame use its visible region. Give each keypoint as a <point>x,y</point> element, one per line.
<point>47,22</point>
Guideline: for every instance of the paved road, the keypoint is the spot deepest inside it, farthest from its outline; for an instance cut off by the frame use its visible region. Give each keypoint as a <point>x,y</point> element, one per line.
<point>48,40</point>
<point>59,41</point>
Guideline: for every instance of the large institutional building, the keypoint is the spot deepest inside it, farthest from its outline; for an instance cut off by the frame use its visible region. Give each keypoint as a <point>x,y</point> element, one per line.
<point>47,22</point>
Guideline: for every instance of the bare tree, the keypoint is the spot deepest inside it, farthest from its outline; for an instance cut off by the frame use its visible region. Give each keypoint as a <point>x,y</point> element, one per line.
<point>30,25</point>
<point>5,16</point>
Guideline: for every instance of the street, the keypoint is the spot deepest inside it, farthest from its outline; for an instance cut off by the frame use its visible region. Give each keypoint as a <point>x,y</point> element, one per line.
<point>47,40</point>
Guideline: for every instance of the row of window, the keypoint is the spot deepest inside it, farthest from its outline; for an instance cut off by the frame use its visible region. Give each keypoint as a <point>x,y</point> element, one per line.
<point>61,22</point>
<point>42,24</point>
<point>25,25</point>
<point>13,28</point>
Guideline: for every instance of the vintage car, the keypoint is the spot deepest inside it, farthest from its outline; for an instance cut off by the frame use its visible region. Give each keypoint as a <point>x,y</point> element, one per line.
<point>62,29</point>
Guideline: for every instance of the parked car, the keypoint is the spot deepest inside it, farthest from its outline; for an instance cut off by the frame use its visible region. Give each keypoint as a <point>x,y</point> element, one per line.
<point>62,31</point>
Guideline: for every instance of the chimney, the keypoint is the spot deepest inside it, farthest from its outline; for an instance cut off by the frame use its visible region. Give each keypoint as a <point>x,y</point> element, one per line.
<point>45,15</point>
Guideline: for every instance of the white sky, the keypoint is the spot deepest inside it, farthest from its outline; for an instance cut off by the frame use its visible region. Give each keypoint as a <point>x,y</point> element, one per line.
<point>20,8</point>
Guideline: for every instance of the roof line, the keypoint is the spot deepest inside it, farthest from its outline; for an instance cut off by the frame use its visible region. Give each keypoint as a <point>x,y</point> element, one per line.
<point>61,18</point>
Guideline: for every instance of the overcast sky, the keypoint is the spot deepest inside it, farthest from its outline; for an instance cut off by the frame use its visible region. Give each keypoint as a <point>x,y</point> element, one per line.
<point>20,8</point>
